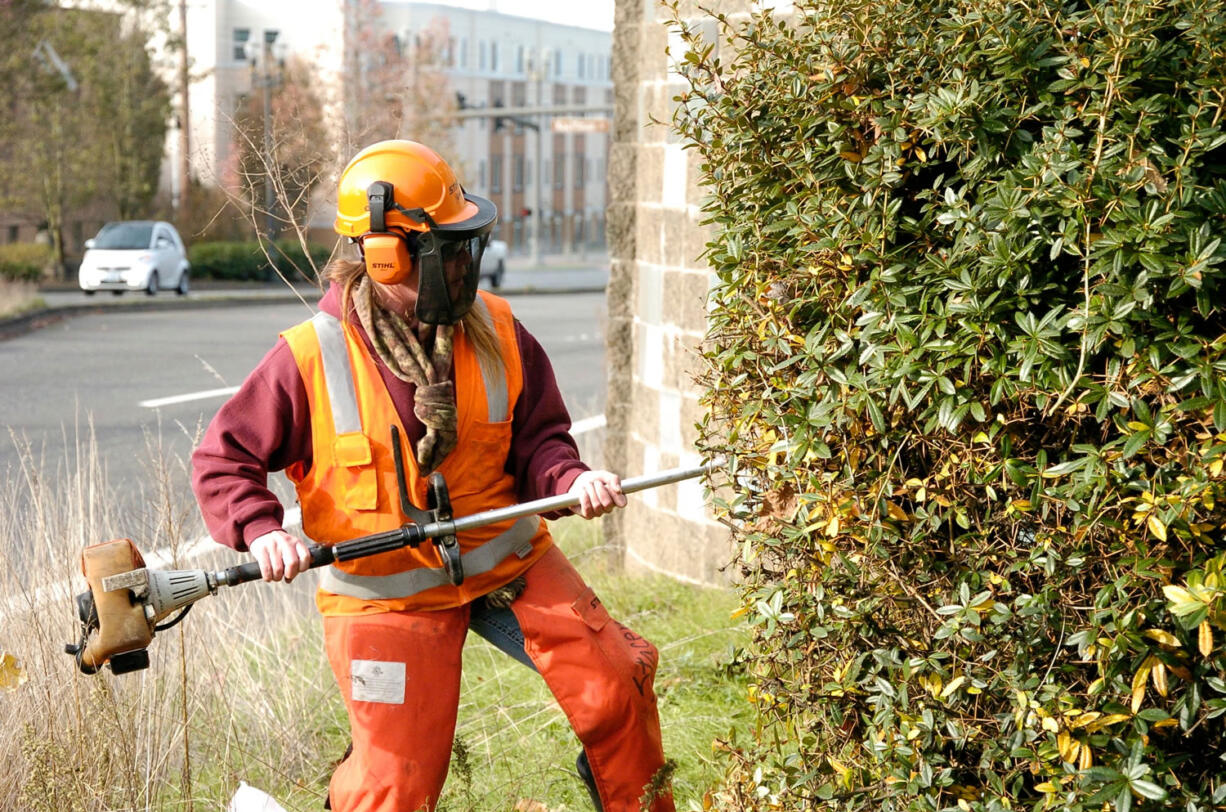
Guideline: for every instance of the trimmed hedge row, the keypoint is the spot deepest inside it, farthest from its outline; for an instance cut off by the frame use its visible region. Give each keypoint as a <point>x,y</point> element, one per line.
<point>248,261</point>
<point>968,353</point>
<point>25,262</point>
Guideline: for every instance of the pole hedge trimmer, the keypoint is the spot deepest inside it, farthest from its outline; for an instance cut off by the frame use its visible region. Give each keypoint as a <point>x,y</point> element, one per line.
<point>127,603</point>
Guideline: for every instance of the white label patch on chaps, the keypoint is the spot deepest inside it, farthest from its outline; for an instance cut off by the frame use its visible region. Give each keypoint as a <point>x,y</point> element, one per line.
<point>377,681</point>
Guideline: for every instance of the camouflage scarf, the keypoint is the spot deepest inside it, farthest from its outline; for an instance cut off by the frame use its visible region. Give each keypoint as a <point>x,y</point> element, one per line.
<point>399,345</point>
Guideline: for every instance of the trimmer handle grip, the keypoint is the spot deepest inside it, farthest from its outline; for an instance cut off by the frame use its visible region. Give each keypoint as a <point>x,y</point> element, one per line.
<point>320,557</point>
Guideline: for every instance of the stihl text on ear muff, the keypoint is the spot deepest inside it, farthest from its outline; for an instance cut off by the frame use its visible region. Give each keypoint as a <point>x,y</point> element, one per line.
<point>388,260</point>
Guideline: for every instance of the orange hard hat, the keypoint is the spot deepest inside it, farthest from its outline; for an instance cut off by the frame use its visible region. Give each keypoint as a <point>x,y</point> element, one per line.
<point>420,179</point>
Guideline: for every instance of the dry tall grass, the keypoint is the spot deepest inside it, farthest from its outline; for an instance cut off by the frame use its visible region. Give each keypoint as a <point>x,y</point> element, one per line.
<point>230,691</point>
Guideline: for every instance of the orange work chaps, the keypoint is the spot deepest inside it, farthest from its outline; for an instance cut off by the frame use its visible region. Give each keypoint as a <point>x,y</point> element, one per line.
<point>399,673</point>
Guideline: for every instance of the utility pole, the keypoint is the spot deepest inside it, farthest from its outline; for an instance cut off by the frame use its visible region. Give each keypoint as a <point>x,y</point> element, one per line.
<point>538,214</point>
<point>185,118</point>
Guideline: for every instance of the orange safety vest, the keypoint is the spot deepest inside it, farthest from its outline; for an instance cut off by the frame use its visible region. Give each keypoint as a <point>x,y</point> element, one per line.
<point>350,489</point>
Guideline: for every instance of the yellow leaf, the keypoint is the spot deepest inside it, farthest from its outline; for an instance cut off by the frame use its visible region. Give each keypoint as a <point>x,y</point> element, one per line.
<point>1156,526</point>
<point>952,686</point>
<point>1165,723</point>
<point>1087,757</point>
<point>1021,504</point>
<point>832,527</point>
<point>738,612</point>
<point>1047,786</point>
<point>896,512</point>
<point>11,673</point>
<point>1204,638</point>
<point>1085,719</point>
<point>1138,684</point>
<point>1177,594</point>
<point>1215,467</point>
<point>1085,63</point>
<point>1108,720</point>
<point>1158,673</point>
<point>1163,637</point>
<point>980,437</point>
<point>1050,724</point>
<point>919,153</point>
<point>1068,747</point>
<point>854,157</point>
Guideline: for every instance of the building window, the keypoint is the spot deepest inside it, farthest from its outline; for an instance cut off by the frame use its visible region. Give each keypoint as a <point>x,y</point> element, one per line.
<point>559,173</point>
<point>495,173</point>
<point>463,54</point>
<point>481,55</point>
<point>579,162</point>
<point>579,65</point>
<point>241,36</point>
<point>517,173</point>
<point>494,57</point>
<point>14,233</point>
<point>481,174</point>
<point>557,60</point>
<point>519,59</point>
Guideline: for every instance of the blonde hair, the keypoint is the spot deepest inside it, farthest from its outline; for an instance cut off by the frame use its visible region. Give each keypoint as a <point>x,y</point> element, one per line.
<point>477,324</point>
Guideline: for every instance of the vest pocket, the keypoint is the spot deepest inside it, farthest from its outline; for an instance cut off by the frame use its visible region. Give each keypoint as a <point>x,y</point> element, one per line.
<point>479,460</point>
<point>354,471</point>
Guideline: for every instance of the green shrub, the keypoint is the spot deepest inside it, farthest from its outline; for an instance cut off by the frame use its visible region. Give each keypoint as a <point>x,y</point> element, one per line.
<point>247,260</point>
<point>968,354</point>
<point>24,261</point>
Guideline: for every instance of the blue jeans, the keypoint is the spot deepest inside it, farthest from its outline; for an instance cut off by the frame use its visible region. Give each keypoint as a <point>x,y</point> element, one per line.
<point>501,629</point>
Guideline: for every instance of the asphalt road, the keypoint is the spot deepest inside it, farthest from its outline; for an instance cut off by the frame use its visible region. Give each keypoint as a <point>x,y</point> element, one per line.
<point>80,382</point>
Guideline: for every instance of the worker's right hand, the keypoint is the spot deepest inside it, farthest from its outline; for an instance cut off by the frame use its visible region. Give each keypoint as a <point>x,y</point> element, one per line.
<point>280,555</point>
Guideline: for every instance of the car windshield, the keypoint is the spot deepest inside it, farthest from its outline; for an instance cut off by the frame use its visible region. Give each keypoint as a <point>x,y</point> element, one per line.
<point>116,236</point>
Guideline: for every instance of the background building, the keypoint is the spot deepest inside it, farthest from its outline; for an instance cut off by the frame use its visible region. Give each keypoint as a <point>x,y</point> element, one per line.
<point>491,60</point>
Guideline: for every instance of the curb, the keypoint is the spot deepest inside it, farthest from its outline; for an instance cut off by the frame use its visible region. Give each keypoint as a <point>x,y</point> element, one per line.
<point>21,324</point>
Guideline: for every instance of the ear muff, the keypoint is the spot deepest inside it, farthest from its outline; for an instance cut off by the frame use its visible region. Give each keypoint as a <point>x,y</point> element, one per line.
<point>387,258</point>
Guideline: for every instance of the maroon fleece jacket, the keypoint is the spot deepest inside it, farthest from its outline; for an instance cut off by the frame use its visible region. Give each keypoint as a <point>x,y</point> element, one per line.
<point>266,426</point>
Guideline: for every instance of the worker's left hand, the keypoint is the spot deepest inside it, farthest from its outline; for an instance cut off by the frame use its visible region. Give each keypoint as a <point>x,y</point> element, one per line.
<point>599,492</point>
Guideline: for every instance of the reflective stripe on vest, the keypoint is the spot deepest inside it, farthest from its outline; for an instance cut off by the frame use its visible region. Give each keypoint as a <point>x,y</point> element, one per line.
<point>516,541</point>
<point>338,378</point>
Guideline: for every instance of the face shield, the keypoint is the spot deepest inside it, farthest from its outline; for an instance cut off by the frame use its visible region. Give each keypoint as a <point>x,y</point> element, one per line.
<point>449,270</point>
<point>448,254</point>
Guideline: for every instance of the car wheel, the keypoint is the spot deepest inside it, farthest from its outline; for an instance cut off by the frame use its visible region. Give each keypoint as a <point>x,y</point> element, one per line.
<point>183,284</point>
<point>90,292</point>
<point>496,279</point>
<point>152,287</point>
<point>117,292</point>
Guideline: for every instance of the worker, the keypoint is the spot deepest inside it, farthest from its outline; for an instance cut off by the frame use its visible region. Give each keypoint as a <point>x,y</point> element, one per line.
<point>404,341</point>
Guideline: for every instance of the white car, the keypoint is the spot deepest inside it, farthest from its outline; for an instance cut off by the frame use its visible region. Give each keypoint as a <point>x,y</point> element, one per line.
<point>134,255</point>
<point>494,262</point>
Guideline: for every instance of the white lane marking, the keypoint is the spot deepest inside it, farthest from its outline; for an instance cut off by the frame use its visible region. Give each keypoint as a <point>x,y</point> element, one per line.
<point>208,393</point>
